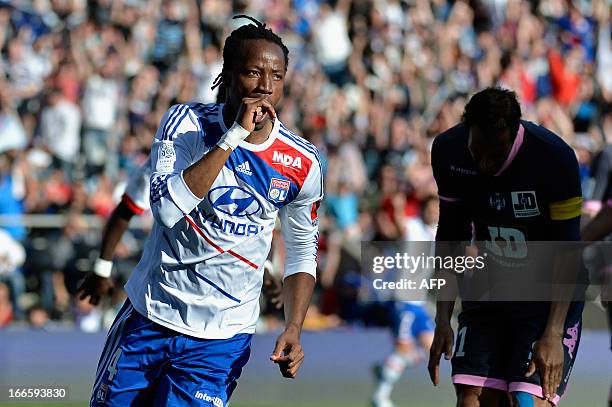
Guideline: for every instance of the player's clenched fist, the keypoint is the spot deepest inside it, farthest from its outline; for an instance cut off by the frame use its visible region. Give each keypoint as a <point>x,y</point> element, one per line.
<point>442,343</point>
<point>288,352</point>
<point>94,287</point>
<point>253,111</point>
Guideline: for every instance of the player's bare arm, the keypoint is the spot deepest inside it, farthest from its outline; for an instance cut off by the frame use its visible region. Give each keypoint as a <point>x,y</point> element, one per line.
<point>600,226</point>
<point>288,352</point>
<point>442,341</point>
<point>96,286</point>
<point>200,176</point>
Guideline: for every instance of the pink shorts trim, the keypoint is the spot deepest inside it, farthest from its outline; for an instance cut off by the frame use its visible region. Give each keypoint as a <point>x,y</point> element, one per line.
<point>480,381</point>
<point>531,389</point>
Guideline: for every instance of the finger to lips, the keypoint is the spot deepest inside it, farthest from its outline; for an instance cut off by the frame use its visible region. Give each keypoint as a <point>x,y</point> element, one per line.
<point>269,108</point>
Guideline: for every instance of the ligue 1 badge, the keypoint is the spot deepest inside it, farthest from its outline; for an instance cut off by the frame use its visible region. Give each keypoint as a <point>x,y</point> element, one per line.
<point>166,157</point>
<point>278,190</point>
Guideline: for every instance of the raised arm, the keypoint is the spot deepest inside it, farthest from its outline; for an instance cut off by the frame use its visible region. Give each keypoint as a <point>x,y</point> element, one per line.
<point>181,179</point>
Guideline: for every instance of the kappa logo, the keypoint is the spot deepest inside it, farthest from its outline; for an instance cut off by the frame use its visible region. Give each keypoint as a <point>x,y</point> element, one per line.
<point>462,171</point>
<point>524,204</point>
<point>571,341</point>
<point>287,160</point>
<point>278,190</point>
<point>244,168</point>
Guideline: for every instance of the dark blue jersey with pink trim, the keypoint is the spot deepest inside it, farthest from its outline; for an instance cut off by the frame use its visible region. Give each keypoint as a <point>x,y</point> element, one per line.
<point>536,196</point>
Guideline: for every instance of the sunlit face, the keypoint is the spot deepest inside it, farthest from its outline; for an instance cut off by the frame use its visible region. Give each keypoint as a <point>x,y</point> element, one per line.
<point>261,73</point>
<point>489,153</point>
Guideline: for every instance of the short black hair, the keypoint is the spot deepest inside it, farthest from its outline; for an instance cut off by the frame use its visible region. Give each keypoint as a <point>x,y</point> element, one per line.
<point>493,110</point>
<point>233,48</point>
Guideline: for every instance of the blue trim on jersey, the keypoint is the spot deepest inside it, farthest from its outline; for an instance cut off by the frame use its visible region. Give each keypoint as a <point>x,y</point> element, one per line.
<point>159,194</point>
<point>190,268</point>
<point>295,138</point>
<point>178,122</point>
<point>261,176</point>
<point>307,146</point>
<point>159,188</point>
<point>211,137</point>
<point>207,118</point>
<point>170,121</point>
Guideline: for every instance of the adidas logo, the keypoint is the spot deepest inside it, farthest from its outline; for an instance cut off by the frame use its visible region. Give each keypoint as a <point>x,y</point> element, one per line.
<point>244,168</point>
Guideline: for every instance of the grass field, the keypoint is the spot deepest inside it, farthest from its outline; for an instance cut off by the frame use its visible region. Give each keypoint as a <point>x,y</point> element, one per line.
<point>336,374</point>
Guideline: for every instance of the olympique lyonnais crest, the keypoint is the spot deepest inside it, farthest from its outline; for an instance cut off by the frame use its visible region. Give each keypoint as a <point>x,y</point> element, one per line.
<point>278,190</point>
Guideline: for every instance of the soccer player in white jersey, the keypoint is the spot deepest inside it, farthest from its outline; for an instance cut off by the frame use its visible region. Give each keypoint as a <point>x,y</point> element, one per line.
<point>135,201</point>
<point>222,174</point>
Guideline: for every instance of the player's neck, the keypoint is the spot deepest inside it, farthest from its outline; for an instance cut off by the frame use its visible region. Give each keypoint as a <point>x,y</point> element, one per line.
<point>259,136</point>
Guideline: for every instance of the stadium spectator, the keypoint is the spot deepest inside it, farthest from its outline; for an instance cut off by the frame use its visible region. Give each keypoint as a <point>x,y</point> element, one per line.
<point>60,128</point>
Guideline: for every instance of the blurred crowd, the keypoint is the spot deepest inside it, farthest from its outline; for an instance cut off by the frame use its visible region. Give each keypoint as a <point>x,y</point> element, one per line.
<point>84,84</point>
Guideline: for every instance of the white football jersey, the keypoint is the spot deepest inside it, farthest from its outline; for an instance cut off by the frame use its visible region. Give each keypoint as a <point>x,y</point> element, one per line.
<point>202,268</point>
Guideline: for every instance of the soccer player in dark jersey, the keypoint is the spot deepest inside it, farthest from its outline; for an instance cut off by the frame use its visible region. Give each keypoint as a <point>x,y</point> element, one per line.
<point>502,178</point>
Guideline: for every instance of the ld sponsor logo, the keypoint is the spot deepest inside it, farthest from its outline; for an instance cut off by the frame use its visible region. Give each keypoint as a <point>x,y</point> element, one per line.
<point>524,204</point>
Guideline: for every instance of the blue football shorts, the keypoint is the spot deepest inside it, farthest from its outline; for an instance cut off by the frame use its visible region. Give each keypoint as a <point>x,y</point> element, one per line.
<point>146,364</point>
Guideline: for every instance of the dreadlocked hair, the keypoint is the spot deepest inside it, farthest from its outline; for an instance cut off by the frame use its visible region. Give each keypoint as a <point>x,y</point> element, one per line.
<point>233,47</point>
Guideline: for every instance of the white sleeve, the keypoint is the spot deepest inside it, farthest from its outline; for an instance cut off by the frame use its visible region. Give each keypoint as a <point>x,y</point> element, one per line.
<point>136,194</point>
<point>177,144</point>
<point>300,226</point>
